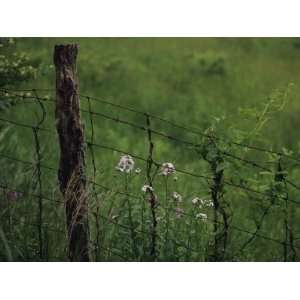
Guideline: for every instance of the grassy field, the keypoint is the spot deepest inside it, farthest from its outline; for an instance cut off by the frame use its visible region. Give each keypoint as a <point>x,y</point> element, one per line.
<point>244,90</point>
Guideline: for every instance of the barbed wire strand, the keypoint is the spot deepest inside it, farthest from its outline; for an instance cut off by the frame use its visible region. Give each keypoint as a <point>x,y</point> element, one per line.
<point>185,128</point>
<point>246,161</point>
<point>91,143</point>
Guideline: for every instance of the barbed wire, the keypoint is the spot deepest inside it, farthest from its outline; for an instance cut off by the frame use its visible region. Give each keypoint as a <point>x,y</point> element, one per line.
<point>188,129</point>
<point>90,144</point>
<point>37,166</point>
<point>205,177</point>
<point>233,227</point>
<point>191,130</point>
<point>194,145</point>
<point>169,137</point>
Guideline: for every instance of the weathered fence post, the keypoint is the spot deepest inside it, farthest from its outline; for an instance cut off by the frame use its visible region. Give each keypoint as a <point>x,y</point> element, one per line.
<point>72,177</point>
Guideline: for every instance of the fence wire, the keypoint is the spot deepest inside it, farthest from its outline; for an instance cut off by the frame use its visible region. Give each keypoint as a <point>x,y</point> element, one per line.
<point>222,214</point>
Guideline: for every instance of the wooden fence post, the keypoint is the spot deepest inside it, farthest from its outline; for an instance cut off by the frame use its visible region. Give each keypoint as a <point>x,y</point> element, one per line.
<point>72,172</point>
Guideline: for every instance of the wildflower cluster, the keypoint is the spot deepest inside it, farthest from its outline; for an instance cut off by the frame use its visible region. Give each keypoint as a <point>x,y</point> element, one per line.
<point>202,202</point>
<point>147,188</point>
<point>167,169</point>
<point>126,164</point>
<point>15,68</point>
<point>177,197</point>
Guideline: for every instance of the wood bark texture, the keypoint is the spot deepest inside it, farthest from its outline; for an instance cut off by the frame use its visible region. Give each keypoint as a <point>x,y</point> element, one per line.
<point>72,172</point>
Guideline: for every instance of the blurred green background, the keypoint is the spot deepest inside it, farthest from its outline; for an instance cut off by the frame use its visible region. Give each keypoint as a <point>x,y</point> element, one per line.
<point>186,79</point>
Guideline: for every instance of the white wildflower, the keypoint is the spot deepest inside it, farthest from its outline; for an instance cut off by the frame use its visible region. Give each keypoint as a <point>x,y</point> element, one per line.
<point>147,188</point>
<point>195,200</point>
<point>126,164</point>
<point>177,197</point>
<point>138,171</point>
<point>209,203</point>
<point>202,202</point>
<point>167,169</point>
<point>201,216</point>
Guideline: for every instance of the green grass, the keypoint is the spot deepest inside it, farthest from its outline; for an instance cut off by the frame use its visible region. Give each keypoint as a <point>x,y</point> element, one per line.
<point>198,82</point>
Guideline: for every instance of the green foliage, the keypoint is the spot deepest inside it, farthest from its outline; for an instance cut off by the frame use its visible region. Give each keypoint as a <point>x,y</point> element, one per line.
<point>15,68</point>
<point>237,89</point>
<point>208,63</point>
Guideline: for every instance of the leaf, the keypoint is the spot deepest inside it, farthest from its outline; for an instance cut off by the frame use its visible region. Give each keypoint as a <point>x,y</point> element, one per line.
<point>266,173</point>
